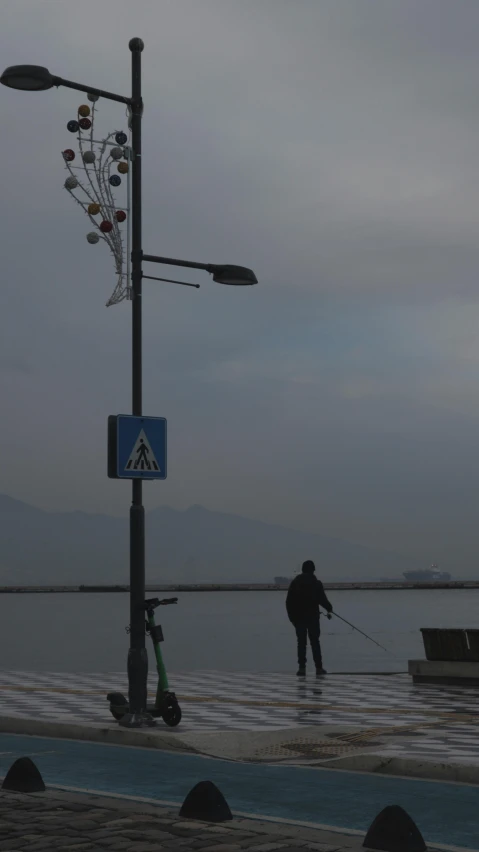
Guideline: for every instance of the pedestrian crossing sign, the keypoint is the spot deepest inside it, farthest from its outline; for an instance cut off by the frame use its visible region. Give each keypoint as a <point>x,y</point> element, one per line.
<point>136,447</point>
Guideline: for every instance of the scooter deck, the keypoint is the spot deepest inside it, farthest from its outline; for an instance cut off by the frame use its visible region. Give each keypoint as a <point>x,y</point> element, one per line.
<point>152,709</point>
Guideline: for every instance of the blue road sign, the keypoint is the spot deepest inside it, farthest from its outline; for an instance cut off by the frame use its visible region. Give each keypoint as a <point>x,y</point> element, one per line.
<point>136,447</point>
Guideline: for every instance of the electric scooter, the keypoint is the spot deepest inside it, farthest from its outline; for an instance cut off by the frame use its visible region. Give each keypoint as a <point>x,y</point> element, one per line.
<point>166,703</point>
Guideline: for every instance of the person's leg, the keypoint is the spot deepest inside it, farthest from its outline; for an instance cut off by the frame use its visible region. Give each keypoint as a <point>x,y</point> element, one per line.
<point>302,637</point>
<point>314,633</point>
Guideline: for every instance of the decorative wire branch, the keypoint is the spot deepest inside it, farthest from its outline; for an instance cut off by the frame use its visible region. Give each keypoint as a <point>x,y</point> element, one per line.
<point>97,188</point>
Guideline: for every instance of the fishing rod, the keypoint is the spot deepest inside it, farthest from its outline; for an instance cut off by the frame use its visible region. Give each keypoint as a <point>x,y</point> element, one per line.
<point>360,631</point>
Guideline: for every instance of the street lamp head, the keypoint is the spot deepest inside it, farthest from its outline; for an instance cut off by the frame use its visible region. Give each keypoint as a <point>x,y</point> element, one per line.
<point>136,44</point>
<point>239,276</point>
<point>30,78</point>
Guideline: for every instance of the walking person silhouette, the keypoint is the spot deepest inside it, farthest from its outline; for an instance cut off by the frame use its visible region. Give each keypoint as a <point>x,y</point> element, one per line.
<point>142,456</point>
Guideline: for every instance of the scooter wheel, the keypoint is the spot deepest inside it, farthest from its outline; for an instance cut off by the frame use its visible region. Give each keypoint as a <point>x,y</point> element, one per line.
<point>116,715</point>
<point>172,713</point>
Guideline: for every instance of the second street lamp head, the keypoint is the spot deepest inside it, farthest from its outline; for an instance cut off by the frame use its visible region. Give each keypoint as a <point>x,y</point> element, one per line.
<point>30,78</point>
<point>237,276</point>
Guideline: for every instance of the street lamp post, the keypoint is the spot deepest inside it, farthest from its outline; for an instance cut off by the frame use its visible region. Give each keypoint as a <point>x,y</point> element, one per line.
<point>137,655</point>
<point>38,78</point>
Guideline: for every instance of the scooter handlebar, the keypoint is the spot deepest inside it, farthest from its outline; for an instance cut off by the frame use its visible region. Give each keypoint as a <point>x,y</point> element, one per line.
<point>152,603</point>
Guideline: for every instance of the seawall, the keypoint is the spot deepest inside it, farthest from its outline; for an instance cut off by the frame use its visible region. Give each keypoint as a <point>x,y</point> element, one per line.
<point>235,587</point>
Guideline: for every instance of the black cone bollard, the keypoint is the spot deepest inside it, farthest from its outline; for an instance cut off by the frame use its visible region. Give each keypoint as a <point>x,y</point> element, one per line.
<point>205,802</point>
<point>23,777</point>
<point>393,830</point>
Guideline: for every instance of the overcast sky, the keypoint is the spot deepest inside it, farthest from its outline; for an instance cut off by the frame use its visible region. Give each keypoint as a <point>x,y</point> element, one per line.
<point>331,145</point>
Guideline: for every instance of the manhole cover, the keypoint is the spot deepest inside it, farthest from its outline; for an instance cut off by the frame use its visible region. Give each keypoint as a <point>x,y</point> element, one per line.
<point>320,750</point>
<point>317,749</point>
<point>358,738</point>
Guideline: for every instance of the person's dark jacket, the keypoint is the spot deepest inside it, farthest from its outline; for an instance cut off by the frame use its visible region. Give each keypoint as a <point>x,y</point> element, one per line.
<point>305,595</point>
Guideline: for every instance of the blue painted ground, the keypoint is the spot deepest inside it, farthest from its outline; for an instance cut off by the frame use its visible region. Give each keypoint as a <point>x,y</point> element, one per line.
<point>445,813</point>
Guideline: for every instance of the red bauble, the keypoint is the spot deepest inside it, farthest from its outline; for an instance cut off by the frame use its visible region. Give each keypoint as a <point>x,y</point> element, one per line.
<point>120,216</point>
<point>106,226</point>
<point>68,155</point>
<point>85,123</point>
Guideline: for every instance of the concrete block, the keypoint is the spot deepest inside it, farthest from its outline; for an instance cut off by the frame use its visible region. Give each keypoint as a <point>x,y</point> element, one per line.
<point>444,671</point>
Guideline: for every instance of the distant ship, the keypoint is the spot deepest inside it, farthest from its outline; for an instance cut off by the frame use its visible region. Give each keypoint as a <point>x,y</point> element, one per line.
<point>282,581</point>
<point>429,575</point>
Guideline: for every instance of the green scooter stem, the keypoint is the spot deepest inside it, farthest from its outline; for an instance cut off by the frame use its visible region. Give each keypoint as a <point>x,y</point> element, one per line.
<point>163,685</point>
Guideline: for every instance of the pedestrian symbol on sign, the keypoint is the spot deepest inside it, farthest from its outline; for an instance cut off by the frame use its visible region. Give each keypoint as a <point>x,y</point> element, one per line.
<point>142,456</point>
<point>136,447</point>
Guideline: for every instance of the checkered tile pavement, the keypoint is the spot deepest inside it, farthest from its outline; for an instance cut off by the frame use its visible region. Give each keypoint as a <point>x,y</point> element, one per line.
<point>426,722</point>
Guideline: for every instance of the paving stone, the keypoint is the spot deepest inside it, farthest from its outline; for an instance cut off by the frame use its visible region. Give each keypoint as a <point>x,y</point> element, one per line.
<point>298,848</point>
<point>322,847</point>
<point>267,847</point>
<point>99,812</point>
<point>147,825</point>
<point>77,808</point>
<point>43,805</point>
<point>99,816</point>
<point>155,834</point>
<point>217,829</point>
<point>16,816</point>
<point>50,819</point>
<point>145,847</point>
<point>89,846</point>
<point>113,823</point>
<point>240,835</point>
<point>101,834</point>
<point>151,834</point>
<point>223,847</point>
<point>175,830</point>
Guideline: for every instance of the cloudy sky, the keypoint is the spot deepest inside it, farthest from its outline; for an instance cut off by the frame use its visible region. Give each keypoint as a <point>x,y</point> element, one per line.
<point>331,145</point>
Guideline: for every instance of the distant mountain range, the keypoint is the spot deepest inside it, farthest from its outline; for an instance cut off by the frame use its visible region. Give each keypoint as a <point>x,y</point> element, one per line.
<point>192,546</point>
